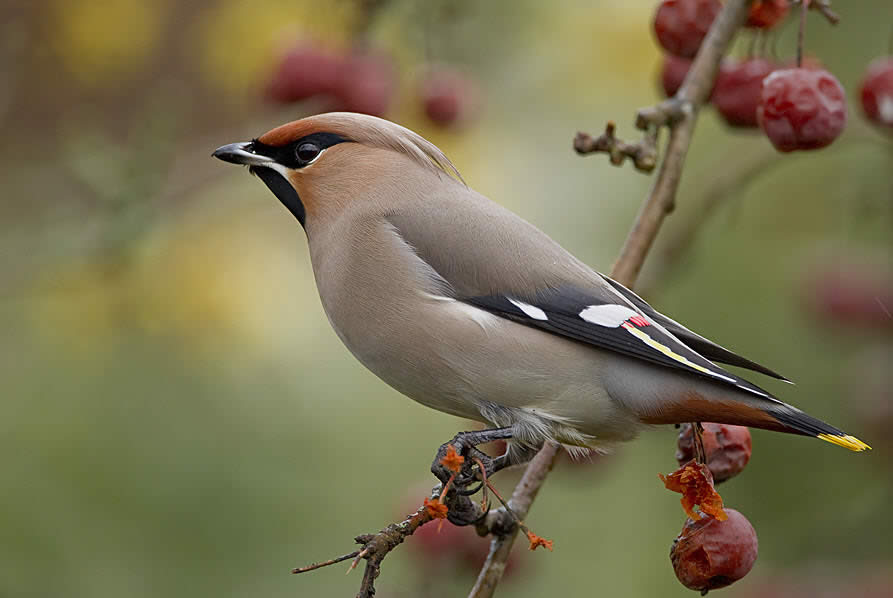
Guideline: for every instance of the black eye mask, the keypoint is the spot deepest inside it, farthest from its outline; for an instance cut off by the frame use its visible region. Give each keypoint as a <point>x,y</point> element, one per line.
<point>287,155</point>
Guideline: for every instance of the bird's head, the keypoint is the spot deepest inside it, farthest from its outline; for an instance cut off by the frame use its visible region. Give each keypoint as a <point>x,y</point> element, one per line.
<point>321,163</point>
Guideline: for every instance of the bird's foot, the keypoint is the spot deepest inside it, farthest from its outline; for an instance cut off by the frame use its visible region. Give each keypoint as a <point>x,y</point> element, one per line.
<point>463,470</point>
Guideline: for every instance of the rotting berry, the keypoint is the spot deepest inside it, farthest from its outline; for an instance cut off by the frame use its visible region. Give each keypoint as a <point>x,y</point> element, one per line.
<point>728,448</point>
<point>876,92</point>
<point>767,14</point>
<point>738,87</point>
<point>709,554</point>
<point>801,109</point>
<point>681,25</point>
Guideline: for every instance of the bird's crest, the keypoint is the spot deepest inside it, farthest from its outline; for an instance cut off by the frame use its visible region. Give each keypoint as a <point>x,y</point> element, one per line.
<point>368,130</point>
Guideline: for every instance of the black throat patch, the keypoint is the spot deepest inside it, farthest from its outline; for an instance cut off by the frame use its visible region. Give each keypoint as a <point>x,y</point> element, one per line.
<point>283,191</point>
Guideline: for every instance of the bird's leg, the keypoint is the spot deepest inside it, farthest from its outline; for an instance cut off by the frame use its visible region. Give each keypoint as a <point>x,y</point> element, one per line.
<point>465,444</point>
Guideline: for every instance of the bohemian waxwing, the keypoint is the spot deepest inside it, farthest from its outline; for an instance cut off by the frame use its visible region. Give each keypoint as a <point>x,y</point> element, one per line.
<point>463,306</point>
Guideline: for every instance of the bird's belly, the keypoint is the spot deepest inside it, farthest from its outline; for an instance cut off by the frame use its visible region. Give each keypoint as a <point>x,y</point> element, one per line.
<point>464,361</point>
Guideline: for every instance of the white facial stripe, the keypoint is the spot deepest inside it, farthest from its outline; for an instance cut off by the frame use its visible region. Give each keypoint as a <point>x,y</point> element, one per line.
<point>529,310</point>
<point>278,168</point>
<point>609,316</point>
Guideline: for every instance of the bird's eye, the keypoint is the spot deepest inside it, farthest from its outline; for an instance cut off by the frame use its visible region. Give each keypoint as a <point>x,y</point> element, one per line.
<point>307,152</point>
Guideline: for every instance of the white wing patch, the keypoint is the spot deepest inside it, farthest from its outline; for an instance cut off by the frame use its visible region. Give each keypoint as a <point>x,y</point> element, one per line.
<point>621,316</point>
<point>609,316</point>
<point>531,311</point>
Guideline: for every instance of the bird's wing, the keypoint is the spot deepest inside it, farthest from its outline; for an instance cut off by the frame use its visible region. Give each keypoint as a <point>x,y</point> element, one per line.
<point>494,260</point>
<point>704,346</point>
<point>615,326</point>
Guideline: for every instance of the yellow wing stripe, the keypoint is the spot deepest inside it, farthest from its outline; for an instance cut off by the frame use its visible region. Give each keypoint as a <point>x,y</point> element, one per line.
<point>669,352</point>
<point>846,441</point>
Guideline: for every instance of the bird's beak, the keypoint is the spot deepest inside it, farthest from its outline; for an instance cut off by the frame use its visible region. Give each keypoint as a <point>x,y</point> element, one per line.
<point>242,153</point>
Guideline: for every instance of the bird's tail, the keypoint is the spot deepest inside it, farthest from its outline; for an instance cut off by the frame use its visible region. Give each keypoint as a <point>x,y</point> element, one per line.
<point>795,421</point>
<point>741,409</point>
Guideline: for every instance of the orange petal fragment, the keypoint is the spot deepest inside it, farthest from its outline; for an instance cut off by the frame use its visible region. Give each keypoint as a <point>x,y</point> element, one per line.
<point>453,460</point>
<point>435,508</point>
<point>695,482</point>
<point>536,541</point>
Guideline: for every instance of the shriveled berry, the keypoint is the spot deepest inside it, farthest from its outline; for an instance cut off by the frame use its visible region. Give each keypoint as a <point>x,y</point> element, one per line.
<point>304,70</point>
<point>366,83</point>
<point>738,87</point>
<point>876,92</point>
<point>765,14</point>
<point>728,448</point>
<point>447,96</point>
<point>709,554</point>
<point>801,109</point>
<point>680,25</point>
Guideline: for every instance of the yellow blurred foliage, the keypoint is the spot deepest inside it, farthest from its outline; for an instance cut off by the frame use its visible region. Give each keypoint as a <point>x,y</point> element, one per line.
<point>99,43</point>
<point>601,44</point>
<point>197,283</point>
<point>239,40</point>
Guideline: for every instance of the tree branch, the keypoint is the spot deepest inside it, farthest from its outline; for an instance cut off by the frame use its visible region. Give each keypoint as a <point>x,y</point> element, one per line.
<point>679,114</point>
<point>691,96</point>
<point>504,527</point>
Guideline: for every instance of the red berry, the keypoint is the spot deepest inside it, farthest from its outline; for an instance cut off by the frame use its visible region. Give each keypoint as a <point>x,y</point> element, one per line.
<point>851,293</point>
<point>802,109</point>
<point>737,92</point>
<point>728,448</point>
<point>672,73</point>
<point>877,92</point>
<point>366,84</point>
<point>709,554</point>
<point>446,96</point>
<point>767,14</point>
<point>680,25</point>
<point>304,71</point>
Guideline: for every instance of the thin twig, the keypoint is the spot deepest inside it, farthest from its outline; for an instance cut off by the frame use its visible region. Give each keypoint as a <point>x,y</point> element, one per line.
<point>804,6</point>
<point>824,7</point>
<point>643,154</point>
<point>326,563</point>
<point>679,114</point>
<point>377,546</point>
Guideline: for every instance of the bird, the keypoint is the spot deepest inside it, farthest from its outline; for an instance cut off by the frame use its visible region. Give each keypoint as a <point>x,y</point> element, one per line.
<point>465,307</point>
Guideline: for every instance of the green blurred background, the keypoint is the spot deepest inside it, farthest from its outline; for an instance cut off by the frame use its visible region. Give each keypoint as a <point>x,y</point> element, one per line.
<point>177,417</point>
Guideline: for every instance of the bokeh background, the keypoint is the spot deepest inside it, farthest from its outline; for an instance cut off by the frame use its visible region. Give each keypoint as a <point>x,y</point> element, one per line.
<point>178,419</point>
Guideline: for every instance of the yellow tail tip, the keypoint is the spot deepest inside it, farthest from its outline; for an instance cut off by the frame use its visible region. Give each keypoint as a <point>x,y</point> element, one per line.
<point>846,441</point>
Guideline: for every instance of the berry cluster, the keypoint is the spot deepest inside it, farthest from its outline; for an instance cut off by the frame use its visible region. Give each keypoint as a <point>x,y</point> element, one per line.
<point>365,81</point>
<point>798,106</point>
<point>718,547</point>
